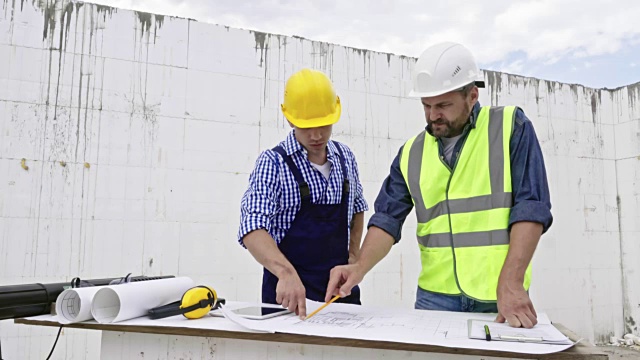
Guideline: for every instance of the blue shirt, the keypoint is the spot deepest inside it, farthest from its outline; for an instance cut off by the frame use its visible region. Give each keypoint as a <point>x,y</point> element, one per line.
<point>531,198</point>
<point>272,199</point>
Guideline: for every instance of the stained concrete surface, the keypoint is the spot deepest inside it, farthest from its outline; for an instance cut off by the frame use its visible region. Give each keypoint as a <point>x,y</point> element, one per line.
<point>619,352</point>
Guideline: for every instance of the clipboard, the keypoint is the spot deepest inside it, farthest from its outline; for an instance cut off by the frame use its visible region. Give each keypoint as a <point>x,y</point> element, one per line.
<point>539,334</point>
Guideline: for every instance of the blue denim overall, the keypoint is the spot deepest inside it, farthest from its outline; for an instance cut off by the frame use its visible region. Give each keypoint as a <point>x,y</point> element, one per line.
<point>316,241</point>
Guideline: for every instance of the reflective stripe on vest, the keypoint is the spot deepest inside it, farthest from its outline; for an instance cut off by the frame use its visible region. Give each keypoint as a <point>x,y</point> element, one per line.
<point>466,210</point>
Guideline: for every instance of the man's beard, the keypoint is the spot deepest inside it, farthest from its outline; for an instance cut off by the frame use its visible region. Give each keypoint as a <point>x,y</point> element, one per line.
<point>441,132</point>
<point>448,128</point>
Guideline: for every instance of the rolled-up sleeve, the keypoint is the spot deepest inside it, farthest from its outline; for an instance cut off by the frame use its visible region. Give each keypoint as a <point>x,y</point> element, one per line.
<point>531,197</point>
<point>393,204</point>
<point>259,202</point>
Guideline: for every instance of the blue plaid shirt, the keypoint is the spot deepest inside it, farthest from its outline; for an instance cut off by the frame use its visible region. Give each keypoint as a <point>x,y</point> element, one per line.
<point>272,199</point>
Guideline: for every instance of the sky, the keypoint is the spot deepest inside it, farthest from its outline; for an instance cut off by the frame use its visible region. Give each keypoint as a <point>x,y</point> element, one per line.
<point>595,43</point>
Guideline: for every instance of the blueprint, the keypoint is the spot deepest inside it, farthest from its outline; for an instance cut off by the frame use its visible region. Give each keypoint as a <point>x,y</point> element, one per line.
<point>425,325</point>
<point>74,305</point>
<point>441,328</point>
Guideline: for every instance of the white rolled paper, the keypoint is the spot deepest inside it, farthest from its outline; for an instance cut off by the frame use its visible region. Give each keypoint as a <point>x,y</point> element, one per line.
<point>116,303</point>
<point>74,305</point>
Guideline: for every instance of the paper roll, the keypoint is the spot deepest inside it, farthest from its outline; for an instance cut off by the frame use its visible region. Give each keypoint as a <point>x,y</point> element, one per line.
<point>74,305</point>
<point>127,301</point>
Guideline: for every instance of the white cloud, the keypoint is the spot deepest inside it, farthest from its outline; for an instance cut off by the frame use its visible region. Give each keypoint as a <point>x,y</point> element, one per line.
<point>514,67</point>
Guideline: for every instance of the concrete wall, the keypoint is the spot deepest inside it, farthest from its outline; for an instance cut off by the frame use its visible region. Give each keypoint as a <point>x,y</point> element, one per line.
<point>139,132</point>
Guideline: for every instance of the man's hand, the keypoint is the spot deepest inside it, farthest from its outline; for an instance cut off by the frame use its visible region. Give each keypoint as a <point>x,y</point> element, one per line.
<point>514,305</point>
<point>290,293</point>
<point>342,279</point>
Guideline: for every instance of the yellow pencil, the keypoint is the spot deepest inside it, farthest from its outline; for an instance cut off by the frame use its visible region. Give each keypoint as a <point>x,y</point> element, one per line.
<point>323,306</point>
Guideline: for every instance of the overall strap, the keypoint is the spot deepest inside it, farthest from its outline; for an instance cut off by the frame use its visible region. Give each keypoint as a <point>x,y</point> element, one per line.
<point>305,193</point>
<point>345,174</point>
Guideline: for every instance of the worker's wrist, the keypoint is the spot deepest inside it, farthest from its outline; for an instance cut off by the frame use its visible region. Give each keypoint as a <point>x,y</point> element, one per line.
<point>512,271</point>
<point>360,268</point>
<point>512,281</point>
<point>285,272</point>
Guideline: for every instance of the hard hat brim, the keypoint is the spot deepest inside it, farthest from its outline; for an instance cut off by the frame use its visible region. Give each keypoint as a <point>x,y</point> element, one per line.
<point>317,122</point>
<point>418,95</point>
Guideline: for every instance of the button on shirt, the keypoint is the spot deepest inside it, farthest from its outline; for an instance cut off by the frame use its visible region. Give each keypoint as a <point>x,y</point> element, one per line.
<point>272,199</point>
<point>530,189</point>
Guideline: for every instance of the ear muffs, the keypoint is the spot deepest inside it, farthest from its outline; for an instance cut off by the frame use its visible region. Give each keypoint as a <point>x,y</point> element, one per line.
<point>195,303</point>
<point>198,301</point>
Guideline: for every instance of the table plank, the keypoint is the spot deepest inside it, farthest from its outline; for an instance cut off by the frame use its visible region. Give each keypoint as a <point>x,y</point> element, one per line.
<point>581,351</point>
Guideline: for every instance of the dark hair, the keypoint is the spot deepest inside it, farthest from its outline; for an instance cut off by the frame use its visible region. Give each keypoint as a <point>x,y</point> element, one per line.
<point>466,89</point>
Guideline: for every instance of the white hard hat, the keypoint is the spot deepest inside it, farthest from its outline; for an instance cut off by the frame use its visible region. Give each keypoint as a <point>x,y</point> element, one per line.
<point>442,68</point>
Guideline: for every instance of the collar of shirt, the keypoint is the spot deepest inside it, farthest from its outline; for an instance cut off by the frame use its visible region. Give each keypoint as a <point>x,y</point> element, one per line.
<point>291,146</point>
<point>470,125</point>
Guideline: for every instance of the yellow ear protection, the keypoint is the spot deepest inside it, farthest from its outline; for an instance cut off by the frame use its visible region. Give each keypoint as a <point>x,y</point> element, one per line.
<point>195,303</point>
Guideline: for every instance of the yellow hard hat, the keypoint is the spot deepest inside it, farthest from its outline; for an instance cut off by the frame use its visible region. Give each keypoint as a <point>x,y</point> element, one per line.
<point>310,100</point>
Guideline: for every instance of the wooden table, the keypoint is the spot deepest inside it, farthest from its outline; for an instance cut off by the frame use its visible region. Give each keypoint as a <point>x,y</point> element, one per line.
<point>154,342</point>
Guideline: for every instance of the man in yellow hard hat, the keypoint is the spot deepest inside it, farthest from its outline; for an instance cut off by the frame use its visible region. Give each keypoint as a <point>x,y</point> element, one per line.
<point>302,213</point>
<point>477,180</point>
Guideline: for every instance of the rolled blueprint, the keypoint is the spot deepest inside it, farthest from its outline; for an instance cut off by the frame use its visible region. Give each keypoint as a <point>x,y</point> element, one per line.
<point>74,305</point>
<point>127,301</point>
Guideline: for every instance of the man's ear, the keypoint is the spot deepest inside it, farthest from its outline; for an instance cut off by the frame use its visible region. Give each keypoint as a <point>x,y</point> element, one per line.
<point>290,124</point>
<point>473,96</point>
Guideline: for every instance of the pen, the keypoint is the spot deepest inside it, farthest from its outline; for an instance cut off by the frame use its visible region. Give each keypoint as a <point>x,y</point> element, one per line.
<point>487,333</point>
<point>323,306</point>
<point>520,338</point>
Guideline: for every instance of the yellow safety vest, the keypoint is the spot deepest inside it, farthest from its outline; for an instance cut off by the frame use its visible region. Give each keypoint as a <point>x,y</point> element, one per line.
<point>463,214</point>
